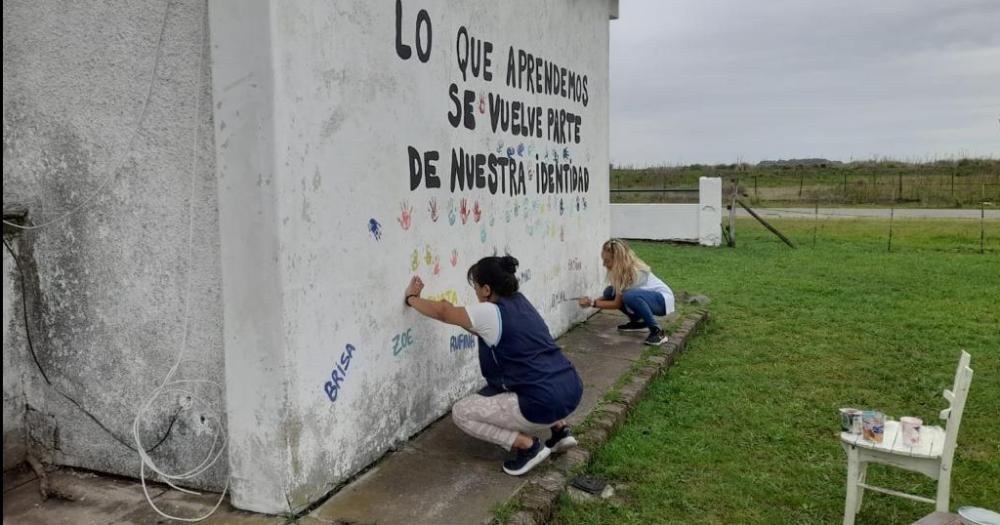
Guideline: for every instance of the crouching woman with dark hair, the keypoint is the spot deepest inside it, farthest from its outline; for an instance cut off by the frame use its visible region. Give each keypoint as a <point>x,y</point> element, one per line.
<point>530,385</point>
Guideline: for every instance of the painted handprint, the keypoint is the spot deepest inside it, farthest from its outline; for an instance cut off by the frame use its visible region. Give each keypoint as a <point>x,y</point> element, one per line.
<point>520,150</point>
<point>428,256</point>
<point>565,153</point>
<point>414,260</point>
<point>482,235</point>
<point>451,212</point>
<point>500,148</point>
<point>375,229</point>
<point>477,212</point>
<point>437,265</point>
<point>432,206</point>
<point>454,258</point>
<point>405,215</point>
<point>463,210</point>
<point>482,102</point>
<point>562,208</point>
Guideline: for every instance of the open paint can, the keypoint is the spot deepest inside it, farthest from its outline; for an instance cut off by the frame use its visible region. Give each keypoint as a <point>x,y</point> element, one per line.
<point>850,420</point>
<point>872,425</point>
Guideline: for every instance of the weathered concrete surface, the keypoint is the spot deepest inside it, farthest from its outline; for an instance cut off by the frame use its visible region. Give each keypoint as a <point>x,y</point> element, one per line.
<point>96,500</point>
<point>85,498</point>
<point>323,224</point>
<point>446,477</point>
<point>15,361</point>
<point>108,285</point>
<point>441,477</point>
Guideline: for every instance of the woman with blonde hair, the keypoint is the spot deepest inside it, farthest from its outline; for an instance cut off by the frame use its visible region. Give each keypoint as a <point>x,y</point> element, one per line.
<point>634,290</point>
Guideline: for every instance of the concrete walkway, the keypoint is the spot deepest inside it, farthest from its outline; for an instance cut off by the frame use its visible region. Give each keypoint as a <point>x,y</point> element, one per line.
<point>440,477</point>
<point>853,213</point>
<point>446,477</point>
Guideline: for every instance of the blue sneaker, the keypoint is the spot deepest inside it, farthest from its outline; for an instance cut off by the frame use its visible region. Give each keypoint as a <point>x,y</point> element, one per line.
<point>561,440</point>
<point>526,459</point>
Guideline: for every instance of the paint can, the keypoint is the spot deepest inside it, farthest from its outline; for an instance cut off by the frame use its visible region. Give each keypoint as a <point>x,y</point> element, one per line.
<point>850,420</point>
<point>873,425</point>
<point>911,430</point>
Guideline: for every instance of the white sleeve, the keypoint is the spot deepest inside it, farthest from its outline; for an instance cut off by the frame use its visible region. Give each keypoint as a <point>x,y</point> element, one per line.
<point>485,318</point>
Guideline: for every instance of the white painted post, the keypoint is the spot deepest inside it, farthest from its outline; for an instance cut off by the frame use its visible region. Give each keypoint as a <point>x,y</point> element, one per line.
<point>710,211</point>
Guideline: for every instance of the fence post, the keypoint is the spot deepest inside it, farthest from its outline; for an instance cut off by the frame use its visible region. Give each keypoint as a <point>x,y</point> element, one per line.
<point>874,192</point>
<point>816,220</point>
<point>899,195</point>
<point>954,167</point>
<point>892,212</point>
<point>982,226</point>
<point>756,198</point>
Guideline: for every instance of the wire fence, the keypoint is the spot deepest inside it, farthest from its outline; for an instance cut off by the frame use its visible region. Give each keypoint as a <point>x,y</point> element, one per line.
<point>891,196</point>
<point>962,184</point>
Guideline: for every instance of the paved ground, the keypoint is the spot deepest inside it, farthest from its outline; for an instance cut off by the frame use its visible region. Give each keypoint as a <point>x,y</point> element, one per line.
<point>850,213</point>
<point>440,477</point>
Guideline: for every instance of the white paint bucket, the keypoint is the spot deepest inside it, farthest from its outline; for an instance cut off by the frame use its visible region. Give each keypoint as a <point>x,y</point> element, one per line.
<point>911,430</point>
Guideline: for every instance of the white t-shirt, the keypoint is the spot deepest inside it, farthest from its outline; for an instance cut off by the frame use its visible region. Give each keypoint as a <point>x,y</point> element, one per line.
<point>648,281</point>
<point>486,322</point>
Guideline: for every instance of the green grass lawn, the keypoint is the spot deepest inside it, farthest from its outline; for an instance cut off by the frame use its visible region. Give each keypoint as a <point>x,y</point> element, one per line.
<point>743,429</point>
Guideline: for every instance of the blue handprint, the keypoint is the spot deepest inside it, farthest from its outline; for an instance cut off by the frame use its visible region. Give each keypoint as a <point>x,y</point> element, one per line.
<point>375,229</point>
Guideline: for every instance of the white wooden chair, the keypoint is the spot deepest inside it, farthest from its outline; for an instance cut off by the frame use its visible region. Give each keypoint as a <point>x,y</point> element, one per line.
<point>931,457</point>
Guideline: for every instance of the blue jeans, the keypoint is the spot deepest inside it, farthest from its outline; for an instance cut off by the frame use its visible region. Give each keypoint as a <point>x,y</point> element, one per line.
<point>640,304</point>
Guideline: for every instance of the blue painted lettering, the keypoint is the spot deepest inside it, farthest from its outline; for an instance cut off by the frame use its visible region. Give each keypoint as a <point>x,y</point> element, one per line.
<point>339,374</point>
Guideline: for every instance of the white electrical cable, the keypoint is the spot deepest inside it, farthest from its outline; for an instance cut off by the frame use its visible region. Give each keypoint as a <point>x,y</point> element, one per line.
<point>178,386</point>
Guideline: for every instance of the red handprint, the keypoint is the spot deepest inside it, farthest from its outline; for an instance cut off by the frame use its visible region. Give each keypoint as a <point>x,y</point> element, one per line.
<point>406,215</point>
<point>437,265</point>
<point>482,102</point>
<point>477,212</point>
<point>433,206</point>
<point>454,258</point>
<point>463,210</point>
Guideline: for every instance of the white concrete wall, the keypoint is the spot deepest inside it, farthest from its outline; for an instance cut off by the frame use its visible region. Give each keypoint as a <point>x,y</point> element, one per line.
<point>107,286</point>
<point>676,222</point>
<point>321,228</point>
<point>15,359</point>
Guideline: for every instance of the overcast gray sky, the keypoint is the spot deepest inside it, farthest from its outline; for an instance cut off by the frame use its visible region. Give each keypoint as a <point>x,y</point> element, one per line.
<point>711,81</point>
